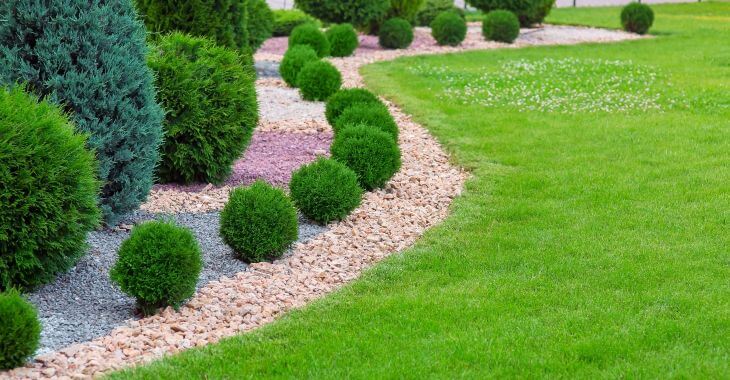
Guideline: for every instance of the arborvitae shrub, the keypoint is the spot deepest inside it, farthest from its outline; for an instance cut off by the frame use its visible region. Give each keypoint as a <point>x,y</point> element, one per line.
<point>372,154</point>
<point>356,12</point>
<point>225,21</point>
<point>259,222</point>
<point>343,40</point>
<point>20,330</point>
<point>345,98</point>
<point>285,20</point>
<point>309,34</point>
<point>637,18</point>
<point>318,80</point>
<point>433,8</point>
<point>501,26</point>
<point>211,107</point>
<point>528,12</point>
<point>294,59</point>
<point>260,23</point>
<point>159,265</point>
<point>395,33</point>
<point>90,57</point>
<point>448,29</point>
<point>371,114</point>
<point>325,190</point>
<point>48,191</point>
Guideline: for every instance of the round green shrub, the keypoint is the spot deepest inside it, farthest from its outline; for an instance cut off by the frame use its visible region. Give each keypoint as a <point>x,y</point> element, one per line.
<point>20,330</point>
<point>433,8</point>
<point>285,20</point>
<point>372,154</point>
<point>501,26</point>
<point>345,98</point>
<point>211,108</point>
<point>325,190</point>
<point>637,18</point>
<point>159,265</point>
<point>343,40</point>
<point>356,12</point>
<point>48,191</point>
<point>259,222</point>
<point>90,58</point>
<point>294,59</point>
<point>448,29</point>
<point>309,34</point>
<point>318,80</point>
<point>528,12</point>
<point>395,33</point>
<point>371,114</point>
<point>260,23</point>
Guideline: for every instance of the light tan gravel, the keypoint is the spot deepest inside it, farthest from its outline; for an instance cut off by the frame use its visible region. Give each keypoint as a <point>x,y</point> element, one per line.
<point>389,220</point>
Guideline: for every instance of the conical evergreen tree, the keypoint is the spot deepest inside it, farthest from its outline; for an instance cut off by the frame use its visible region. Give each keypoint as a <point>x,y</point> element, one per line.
<point>90,57</point>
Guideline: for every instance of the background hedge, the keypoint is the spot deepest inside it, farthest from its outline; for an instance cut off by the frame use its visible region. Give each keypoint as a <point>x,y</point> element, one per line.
<point>528,12</point>
<point>433,8</point>
<point>259,23</point>
<point>48,191</point>
<point>285,20</point>
<point>356,12</point>
<point>211,107</point>
<point>91,57</point>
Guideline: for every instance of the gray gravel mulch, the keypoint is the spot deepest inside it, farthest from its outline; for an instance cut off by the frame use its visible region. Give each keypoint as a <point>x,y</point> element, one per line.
<point>83,304</point>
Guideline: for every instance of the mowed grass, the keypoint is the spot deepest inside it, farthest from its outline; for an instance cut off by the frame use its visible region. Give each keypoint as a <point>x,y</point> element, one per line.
<point>588,244</point>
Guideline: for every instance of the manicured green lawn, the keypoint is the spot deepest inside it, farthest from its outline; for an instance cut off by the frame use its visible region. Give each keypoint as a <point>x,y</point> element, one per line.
<point>588,243</point>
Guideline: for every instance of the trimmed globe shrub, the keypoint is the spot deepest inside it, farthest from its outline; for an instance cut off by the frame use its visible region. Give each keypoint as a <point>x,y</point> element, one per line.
<point>372,154</point>
<point>448,29</point>
<point>285,20</point>
<point>373,115</point>
<point>395,33</point>
<point>211,108</point>
<point>259,23</point>
<point>356,12</point>
<point>343,40</point>
<point>309,34</point>
<point>259,222</point>
<point>433,8</point>
<point>91,58</point>
<point>528,12</point>
<point>294,59</point>
<point>20,330</point>
<point>501,26</point>
<point>345,98</point>
<point>224,21</point>
<point>159,265</point>
<point>325,190</point>
<point>318,80</point>
<point>48,191</point>
<point>637,18</point>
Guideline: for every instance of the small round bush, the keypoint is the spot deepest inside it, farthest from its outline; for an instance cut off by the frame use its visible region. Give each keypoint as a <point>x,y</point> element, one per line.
<point>259,222</point>
<point>159,265</point>
<point>318,80</point>
<point>433,8</point>
<point>294,59</point>
<point>372,154</point>
<point>448,29</point>
<point>370,114</point>
<point>285,20</point>
<point>48,191</point>
<point>637,18</point>
<point>211,107</point>
<point>309,34</point>
<point>395,33</point>
<point>325,190</point>
<point>20,330</point>
<point>501,26</point>
<point>345,98</point>
<point>259,22</point>
<point>343,40</point>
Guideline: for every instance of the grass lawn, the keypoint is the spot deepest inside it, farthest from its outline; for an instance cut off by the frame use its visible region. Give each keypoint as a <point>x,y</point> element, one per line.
<point>593,240</point>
